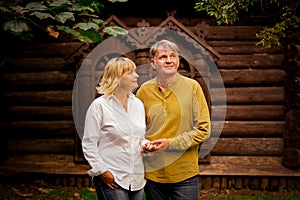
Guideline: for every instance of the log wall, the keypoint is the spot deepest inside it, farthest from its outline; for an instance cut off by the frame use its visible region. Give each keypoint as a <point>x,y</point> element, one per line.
<point>40,137</point>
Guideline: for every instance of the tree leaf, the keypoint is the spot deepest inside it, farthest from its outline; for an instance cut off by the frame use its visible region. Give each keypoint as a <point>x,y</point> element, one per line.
<point>42,15</point>
<point>64,16</point>
<point>86,26</point>
<point>90,36</point>
<point>36,6</point>
<point>16,26</point>
<point>79,7</point>
<point>59,3</point>
<point>115,30</point>
<point>99,21</point>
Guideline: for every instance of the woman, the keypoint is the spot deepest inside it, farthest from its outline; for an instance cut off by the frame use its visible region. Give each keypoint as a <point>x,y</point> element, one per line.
<point>114,132</point>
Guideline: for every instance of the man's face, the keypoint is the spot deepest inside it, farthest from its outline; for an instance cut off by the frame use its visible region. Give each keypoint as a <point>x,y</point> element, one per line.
<point>166,62</point>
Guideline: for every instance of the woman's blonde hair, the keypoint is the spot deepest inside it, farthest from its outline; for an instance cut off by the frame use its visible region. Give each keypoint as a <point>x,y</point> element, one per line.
<point>113,72</point>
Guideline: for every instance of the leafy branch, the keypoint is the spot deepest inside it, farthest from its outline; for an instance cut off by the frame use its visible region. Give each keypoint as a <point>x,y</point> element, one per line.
<point>229,12</point>
<point>80,18</point>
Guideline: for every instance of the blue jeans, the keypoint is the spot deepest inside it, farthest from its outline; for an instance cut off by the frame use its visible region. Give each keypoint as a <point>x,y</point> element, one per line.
<point>106,193</point>
<point>184,190</point>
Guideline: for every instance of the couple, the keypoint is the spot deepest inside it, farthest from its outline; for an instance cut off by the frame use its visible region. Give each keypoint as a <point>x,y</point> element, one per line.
<point>160,157</point>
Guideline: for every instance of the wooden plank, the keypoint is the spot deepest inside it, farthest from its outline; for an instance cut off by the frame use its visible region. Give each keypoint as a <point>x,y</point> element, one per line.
<point>249,112</point>
<point>34,79</point>
<point>249,128</point>
<point>61,49</point>
<point>228,33</point>
<point>248,146</point>
<point>38,129</point>
<point>59,146</point>
<point>247,166</point>
<point>243,47</point>
<point>40,112</point>
<point>249,95</point>
<point>248,77</point>
<point>35,64</point>
<point>51,97</point>
<point>259,61</point>
<point>42,163</point>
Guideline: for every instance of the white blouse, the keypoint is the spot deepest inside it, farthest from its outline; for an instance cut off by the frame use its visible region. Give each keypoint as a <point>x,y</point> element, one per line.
<point>113,138</point>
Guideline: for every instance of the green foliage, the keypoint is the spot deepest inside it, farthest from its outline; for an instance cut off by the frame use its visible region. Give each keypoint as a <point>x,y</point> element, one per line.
<point>225,11</point>
<point>229,12</point>
<point>274,35</point>
<point>79,18</point>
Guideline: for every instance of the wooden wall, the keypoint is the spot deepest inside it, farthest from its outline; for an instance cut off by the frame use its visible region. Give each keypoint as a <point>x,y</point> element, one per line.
<point>39,133</point>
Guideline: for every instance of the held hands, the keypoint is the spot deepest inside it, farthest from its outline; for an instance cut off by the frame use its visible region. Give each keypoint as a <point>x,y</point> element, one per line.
<point>108,179</point>
<point>156,145</point>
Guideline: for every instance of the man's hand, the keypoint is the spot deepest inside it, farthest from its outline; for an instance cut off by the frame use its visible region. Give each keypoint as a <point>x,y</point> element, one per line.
<point>160,144</point>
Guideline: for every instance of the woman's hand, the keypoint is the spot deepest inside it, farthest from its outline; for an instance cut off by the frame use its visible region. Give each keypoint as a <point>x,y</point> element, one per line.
<point>108,178</point>
<point>148,147</point>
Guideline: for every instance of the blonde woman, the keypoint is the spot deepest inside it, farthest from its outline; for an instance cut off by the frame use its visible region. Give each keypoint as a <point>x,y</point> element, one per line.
<point>114,134</point>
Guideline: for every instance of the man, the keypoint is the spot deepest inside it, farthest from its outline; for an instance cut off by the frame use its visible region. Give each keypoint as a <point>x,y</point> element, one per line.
<point>178,120</point>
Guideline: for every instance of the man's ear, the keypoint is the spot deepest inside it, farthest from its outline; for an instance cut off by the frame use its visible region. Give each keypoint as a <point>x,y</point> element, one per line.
<point>152,64</point>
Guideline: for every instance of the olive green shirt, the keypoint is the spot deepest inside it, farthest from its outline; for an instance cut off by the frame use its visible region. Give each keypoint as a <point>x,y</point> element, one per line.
<point>181,115</point>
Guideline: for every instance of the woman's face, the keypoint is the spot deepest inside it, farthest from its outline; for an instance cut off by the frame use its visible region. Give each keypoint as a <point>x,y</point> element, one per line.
<point>129,80</point>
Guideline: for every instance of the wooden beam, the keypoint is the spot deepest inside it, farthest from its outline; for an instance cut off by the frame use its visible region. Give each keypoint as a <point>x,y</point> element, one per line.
<point>42,163</point>
<point>249,95</point>
<point>248,146</point>
<point>247,166</point>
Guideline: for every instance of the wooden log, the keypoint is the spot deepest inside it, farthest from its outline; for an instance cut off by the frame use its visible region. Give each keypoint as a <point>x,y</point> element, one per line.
<point>47,146</point>
<point>238,183</point>
<point>262,61</point>
<point>36,65</point>
<point>249,166</point>
<point>52,97</point>
<point>297,185</point>
<point>242,47</point>
<point>59,49</point>
<point>292,100</point>
<point>291,135</point>
<point>291,157</point>
<point>246,183</point>
<point>274,184</point>
<point>250,128</point>
<point>249,112</point>
<point>292,84</point>
<point>248,146</point>
<point>216,183</point>
<point>292,67</point>
<point>291,51</point>
<point>250,77</point>
<point>40,112</point>
<point>291,138</point>
<point>254,185</point>
<point>282,184</point>
<point>228,33</point>
<point>231,183</point>
<point>38,129</point>
<point>249,95</point>
<point>43,163</point>
<point>264,184</point>
<point>35,79</point>
<point>200,180</point>
<point>87,182</point>
<point>207,183</point>
<point>291,182</point>
<point>224,183</point>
